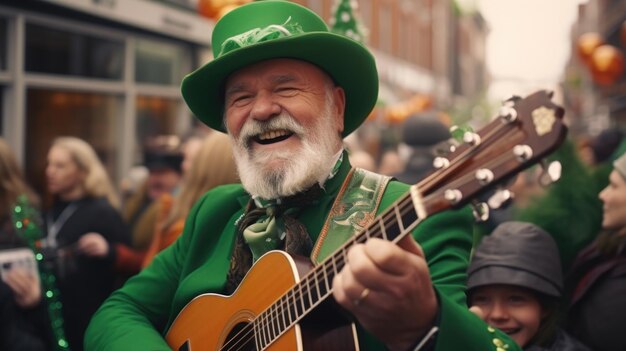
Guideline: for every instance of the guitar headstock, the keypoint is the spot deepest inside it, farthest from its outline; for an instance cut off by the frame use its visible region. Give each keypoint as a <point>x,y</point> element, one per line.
<point>526,130</point>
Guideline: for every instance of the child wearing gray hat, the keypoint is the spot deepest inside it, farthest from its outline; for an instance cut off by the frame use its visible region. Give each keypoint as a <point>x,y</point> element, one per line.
<point>515,284</point>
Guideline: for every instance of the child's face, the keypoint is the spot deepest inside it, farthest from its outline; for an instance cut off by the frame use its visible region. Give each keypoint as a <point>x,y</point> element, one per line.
<point>514,310</point>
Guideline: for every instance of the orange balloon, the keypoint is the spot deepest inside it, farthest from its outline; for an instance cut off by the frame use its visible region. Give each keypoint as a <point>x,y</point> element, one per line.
<point>212,8</point>
<point>224,10</point>
<point>206,9</point>
<point>607,64</point>
<point>586,45</point>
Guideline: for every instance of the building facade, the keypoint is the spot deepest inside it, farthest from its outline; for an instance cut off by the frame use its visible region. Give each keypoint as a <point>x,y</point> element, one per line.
<point>103,70</point>
<point>109,71</point>
<point>595,103</point>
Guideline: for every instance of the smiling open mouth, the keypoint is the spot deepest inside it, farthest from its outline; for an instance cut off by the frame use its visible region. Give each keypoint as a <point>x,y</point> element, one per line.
<point>272,137</point>
<point>510,331</point>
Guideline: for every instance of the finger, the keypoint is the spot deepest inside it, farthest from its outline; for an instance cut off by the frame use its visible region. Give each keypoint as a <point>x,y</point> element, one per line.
<point>345,296</point>
<point>362,272</point>
<point>15,285</point>
<point>409,244</point>
<point>478,312</point>
<point>339,294</point>
<point>391,258</point>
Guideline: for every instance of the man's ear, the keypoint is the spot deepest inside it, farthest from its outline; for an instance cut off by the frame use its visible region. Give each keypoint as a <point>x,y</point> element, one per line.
<point>339,97</point>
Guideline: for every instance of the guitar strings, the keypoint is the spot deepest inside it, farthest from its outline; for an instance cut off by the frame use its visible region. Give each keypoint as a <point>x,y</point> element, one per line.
<point>404,205</point>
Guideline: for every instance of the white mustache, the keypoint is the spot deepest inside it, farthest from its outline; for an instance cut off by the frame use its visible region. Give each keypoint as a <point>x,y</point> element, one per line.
<point>253,128</point>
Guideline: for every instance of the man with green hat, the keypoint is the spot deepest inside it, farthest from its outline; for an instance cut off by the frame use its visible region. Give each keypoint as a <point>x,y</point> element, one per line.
<point>286,90</point>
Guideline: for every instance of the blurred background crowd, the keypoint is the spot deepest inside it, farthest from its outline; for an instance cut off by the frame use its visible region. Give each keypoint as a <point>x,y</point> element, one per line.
<point>96,140</point>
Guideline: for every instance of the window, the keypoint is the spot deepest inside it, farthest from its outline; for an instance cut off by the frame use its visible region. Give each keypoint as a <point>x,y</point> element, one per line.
<point>90,116</point>
<point>155,116</point>
<point>55,51</point>
<point>159,63</point>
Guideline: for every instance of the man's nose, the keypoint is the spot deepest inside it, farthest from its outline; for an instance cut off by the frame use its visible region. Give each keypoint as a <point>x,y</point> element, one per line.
<point>265,107</point>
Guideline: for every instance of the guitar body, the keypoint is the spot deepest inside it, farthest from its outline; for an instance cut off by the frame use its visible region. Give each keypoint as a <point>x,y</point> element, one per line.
<point>209,321</point>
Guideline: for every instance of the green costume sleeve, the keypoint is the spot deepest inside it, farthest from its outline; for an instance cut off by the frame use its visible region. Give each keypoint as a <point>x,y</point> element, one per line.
<point>136,316</point>
<point>127,319</point>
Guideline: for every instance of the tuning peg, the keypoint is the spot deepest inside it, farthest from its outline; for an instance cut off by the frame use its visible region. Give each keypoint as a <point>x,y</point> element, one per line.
<point>458,133</point>
<point>500,199</point>
<point>444,148</point>
<point>480,211</point>
<point>511,99</point>
<point>454,196</point>
<point>441,162</point>
<point>484,176</point>
<point>550,172</point>
<point>523,153</point>
<point>471,138</point>
<point>508,113</point>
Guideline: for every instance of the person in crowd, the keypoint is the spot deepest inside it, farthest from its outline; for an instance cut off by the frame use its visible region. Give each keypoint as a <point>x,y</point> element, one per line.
<point>362,159</point>
<point>391,163</point>
<point>132,182</point>
<point>217,167</point>
<point>84,208</point>
<point>420,133</point>
<point>190,147</point>
<point>515,284</point>
<point>25,324</point>
<point>597,150</point>
<point>164,165</point>
<point>597,279</point>
<point>163,159</point>
<point>287,91</point>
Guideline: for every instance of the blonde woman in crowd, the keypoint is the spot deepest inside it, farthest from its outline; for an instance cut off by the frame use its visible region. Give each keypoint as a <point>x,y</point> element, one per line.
<point>22,310</point>
<point>213,166</point>
<point>81,225</point>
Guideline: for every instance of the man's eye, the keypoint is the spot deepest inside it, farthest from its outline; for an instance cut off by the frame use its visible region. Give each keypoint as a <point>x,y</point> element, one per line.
<point>286,90</point>
<point>240,99</point>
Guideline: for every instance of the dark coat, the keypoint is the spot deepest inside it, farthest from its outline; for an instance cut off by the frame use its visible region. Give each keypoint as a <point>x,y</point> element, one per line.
<point>562,342</point>
<point>597,312</point>
<point>84,282</point>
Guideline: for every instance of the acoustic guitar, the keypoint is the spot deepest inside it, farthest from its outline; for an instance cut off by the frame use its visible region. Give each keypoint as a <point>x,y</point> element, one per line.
<point>283,302</point>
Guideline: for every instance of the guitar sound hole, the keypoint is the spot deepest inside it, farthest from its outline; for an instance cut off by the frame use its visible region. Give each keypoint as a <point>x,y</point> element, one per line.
<point>241,337</point>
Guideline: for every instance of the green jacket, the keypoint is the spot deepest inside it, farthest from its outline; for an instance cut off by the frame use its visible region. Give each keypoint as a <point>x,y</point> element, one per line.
<point>137,316</point>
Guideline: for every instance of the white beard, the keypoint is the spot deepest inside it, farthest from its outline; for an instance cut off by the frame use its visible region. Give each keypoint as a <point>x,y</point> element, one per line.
<point>298,169</point>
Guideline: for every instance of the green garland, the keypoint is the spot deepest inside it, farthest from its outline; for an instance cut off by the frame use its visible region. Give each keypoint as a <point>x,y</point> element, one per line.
<point>26,219</point>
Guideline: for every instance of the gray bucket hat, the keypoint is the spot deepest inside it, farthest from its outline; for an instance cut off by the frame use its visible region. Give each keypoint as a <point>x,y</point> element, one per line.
<point>520,254</point>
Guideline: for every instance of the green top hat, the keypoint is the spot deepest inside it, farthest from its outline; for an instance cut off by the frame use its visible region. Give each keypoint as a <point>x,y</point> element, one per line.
<point>273,29</point>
